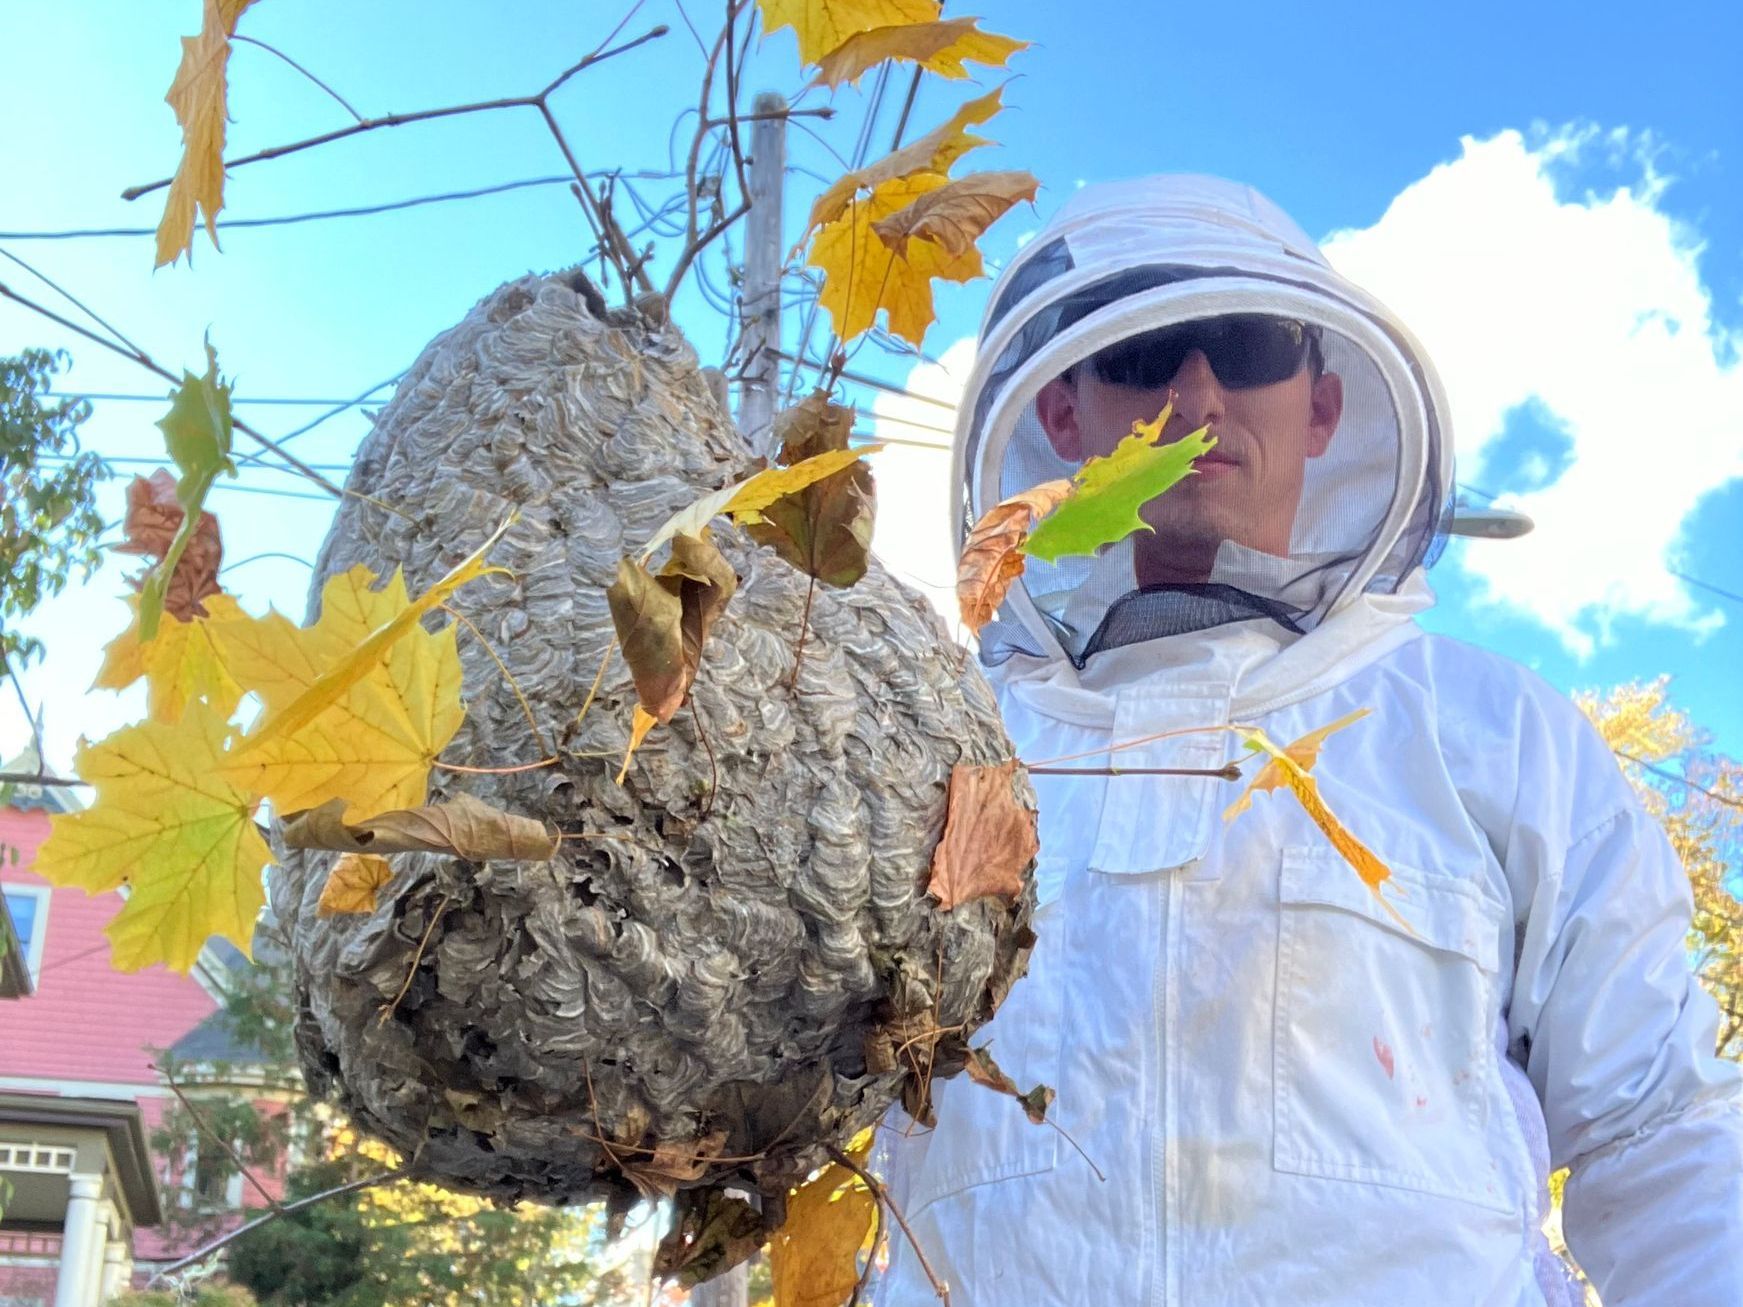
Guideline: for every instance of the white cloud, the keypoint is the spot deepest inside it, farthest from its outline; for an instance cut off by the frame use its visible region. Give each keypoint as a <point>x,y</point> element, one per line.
<point>1593,307</point>
<point>912,536</point>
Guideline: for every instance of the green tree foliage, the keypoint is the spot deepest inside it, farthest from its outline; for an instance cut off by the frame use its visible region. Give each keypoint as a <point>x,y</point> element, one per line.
<point>48,521</point>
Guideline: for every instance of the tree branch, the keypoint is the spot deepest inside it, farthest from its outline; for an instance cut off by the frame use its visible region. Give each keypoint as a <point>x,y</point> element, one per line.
<point>350,1187</point>
<point>274,50</point>
<point>215,1137</point>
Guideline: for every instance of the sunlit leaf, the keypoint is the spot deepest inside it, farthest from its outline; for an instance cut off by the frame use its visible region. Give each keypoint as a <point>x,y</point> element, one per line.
<point>814,1256</point>
<point>198,95</point>
<point>822,25</point>
<point>992,556</point>
<point>941,47</point>
<point>862,275</point>
<point>934,152</point>
<point>182,663</point>
<point>173,820</point>
<point>957,214</point>
<point>1111,490</point>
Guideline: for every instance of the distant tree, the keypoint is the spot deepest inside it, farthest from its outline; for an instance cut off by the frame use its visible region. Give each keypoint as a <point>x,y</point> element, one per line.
<point>49,523</point>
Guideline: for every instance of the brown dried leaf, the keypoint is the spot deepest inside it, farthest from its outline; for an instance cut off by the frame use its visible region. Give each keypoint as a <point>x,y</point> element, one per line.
<point>989,838</point>
<point>663,620</point>
<point>815,425</point>
<point>463,826</point>
<point>672,1164</point>
<point>992,556</point>
<point>824,530</point>
<point>984,1071</point>
<point>712,1233</point>
<point>352,884</point>
<point>957,213</point>
<point>154,515</point>
<point>941,47</point>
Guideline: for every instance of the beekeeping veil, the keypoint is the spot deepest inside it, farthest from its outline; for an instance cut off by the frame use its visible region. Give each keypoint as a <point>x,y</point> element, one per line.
<point>1129,258</point>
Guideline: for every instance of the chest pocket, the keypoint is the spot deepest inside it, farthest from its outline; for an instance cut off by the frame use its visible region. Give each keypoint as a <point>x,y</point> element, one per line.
<point>984,1136</point>
<point>1385,1068</point>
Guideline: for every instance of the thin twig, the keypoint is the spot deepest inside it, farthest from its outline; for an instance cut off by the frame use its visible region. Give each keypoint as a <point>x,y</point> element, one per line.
<point>421,115</point>
<point>497,771</point>
<point>883,1198</point>
<point>230,1148</point>
<point>1228,772</point>
<point>713,767</point>
<point>804,625</point>
<point>599,676</point>
<point>513,684</point>
<point>352,1186</point>
<point>1669,775</point>
<point>273,49</point>
<point>417,958</point>
<point>146,361</point>
<point>25,778</point>
<point>732,103</point>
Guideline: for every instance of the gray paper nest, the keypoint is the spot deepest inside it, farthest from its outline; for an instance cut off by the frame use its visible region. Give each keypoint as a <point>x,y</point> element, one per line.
<point>755,929</point>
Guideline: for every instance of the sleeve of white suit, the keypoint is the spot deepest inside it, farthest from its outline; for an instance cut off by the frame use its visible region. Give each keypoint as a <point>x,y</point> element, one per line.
<point>1618,1039</point>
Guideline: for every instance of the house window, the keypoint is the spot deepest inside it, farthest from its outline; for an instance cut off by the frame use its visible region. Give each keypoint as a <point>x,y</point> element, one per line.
<point>28,907</point>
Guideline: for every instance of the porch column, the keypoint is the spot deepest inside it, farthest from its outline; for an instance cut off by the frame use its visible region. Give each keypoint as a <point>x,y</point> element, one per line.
<point>73,1286</point>
<point>116,1272</point>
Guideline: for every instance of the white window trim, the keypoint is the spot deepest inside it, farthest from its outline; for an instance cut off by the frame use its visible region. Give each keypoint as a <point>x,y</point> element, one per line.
<point>43,894</point>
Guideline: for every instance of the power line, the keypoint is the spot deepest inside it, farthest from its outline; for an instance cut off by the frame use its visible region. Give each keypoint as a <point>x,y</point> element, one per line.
<point>130,397</point>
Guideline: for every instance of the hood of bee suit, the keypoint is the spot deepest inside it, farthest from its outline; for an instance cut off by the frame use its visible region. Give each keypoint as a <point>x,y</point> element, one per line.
<point>1128,258</point>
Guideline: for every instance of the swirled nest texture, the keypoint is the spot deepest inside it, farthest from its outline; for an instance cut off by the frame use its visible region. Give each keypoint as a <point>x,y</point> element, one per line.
<point>715,979</point>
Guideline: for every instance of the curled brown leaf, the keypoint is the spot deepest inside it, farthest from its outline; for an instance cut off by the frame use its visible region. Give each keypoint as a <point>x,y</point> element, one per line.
<point>992,556</point>
<point>989,839</point>
<point>463,826</point>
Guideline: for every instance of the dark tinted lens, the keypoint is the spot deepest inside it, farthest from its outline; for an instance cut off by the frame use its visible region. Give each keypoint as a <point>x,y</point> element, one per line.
<point>1242,350</point>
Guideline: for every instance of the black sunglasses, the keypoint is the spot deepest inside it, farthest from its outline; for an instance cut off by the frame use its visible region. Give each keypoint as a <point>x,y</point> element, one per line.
<point>1243,350</point>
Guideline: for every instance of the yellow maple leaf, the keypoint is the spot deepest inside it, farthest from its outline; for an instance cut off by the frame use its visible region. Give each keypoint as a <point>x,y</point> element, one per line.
<point>1288,767</point>
<point>180,664</point>
<point>861,274</point>
<point>352,884</point>
<point>374,647</point>
<point>814,1256</point>
<point>174,822</point>
<point>199,97</point>
<point>372,742</point>
<point>821,27</point>
<point>941,47</point>
<point>934,152</point>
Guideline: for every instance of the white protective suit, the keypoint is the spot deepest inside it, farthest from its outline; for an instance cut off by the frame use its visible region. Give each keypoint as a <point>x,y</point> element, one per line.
<point>1273,1092</point>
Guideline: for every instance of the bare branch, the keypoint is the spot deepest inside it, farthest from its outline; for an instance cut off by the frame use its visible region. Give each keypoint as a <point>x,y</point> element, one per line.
<point>883,1198</point>
<point>206,1250</point>
<point>421,115</point>
<point>273,49</point>
<point>205,1129</point>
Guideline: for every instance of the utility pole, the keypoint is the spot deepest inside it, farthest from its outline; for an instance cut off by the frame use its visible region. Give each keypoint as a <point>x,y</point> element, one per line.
<point>760,310</point>
<point>764,253</point>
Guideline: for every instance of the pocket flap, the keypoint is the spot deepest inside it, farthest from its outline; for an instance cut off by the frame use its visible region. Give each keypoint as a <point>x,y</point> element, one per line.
<point>1451,915</point>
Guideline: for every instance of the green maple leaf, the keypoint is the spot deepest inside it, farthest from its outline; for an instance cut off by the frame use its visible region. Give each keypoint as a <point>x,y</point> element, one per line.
<point>1111,489</point>
<point>197,433</point>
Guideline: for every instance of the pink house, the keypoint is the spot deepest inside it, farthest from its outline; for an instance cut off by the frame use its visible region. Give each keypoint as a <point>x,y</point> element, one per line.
<point>79,1093</point>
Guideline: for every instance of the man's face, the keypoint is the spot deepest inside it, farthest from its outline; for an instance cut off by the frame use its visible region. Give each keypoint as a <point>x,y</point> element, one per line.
<point>1247,489</point>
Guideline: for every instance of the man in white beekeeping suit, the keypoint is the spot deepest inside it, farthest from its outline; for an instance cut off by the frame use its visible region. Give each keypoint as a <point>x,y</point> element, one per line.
<point>1275,1091</point>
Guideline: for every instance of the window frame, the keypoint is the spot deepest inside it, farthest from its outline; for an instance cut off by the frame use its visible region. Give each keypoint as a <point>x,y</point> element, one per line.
<point>33,947</point>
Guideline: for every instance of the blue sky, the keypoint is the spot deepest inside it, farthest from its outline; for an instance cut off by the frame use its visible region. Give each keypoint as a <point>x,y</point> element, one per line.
<point>1549,194</point>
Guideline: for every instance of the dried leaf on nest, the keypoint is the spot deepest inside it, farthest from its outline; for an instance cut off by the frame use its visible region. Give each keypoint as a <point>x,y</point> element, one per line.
<point>992,556</point>
<point>984,1071</point>
<point>989,838</point>
<point>742,500</point>
<point>713,1233</point>
<point>814,1256</point>
<point>671,1165</point>
<point>463,826</point>
<point>352,884</point>
<point>662,620</point>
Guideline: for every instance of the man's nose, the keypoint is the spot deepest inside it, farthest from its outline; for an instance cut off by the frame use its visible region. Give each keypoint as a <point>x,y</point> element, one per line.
<point>1198,395</point>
